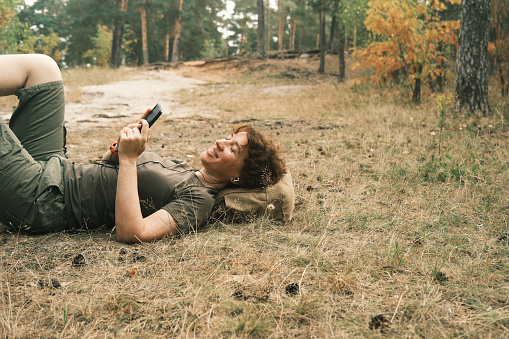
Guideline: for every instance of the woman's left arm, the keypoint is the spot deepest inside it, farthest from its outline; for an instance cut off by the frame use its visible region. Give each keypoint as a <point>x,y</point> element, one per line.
<point>130,224</point>
<point>111,154</point>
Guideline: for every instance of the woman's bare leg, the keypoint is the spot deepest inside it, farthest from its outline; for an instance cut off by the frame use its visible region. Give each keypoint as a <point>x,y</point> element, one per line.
<point>38,120</point>
<point>26,70</point>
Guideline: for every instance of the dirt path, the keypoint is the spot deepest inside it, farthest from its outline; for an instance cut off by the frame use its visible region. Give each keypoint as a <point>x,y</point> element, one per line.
<point>130,98</point>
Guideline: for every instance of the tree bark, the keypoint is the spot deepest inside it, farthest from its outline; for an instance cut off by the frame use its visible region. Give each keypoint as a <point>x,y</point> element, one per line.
<point>280,26</point>
<point>243,36</point>
<point>260,37</point>
<point>354,42</point>
<point>416,94</point>
<point>268,28</point>
<point>332,33</point>
<point>293,31</point>
<point>144,42</point>
<point>175,35</point>
<point>322,46</point>
<point>346,39</point>
<point>118,32</point>
<point>503,85</point>
<point>472,58</point>
<point>167,47</point>
<point>341,51</point>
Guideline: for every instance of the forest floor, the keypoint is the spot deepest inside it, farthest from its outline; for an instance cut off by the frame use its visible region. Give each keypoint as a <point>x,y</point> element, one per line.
<point>400,226</point>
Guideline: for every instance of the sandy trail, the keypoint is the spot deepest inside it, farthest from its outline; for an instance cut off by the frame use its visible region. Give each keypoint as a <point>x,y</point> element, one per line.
<point>130,98</point>
<point>127,100</point>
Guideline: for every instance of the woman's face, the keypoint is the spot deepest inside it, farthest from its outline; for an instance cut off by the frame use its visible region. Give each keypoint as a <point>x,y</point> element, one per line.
<point>225,159</point>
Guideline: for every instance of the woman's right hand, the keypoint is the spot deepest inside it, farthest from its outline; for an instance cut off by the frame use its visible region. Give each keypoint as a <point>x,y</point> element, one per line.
<point>132,142</point>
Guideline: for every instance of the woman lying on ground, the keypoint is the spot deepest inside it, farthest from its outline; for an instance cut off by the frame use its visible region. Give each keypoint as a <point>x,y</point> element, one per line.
<point>144,196</point>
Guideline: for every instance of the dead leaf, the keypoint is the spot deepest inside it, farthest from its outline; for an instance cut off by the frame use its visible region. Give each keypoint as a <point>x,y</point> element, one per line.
<point>78,261</point>
<point>132,271</point>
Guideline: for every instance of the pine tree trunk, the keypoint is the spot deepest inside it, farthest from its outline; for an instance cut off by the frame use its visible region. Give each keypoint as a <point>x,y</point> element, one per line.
<point>346,38</point>
<point>260,37</point>
<point>472,58</point>
<point>118,32</point>
<point>243,36</point>
<point>167,47</point>
<point>341,52</point>
<point>354,43</point>
<point>175,35</point>
<point>416,95</point>
<point>503,86</point>
<point>293,31</point>
<point>116,44</point>
<point>144,41</point>
<point>268,29</point>
<point>280,26</point>
<point>332,34</point>
<point>322,46</point>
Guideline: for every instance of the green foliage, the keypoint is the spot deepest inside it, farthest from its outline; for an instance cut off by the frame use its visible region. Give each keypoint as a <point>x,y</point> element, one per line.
<point>319,5</point>
<point>67,30</point>
<point>353,12</point>
<point>82,18</point>
<point>445,168</point>
<point>395,256</point>
<point>244,23</point>
<point>213,49</point>
<point>129,45</point>
<point>45,17</point>
<point>45,44</point>
<point>102,46</point>
<point>307,26</point>
<point>9,25</point>
<point>200,32</point>
<point>41,28</point>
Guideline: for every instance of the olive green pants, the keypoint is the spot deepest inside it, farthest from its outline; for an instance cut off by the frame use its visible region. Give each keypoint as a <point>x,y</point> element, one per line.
<point>32,157</point>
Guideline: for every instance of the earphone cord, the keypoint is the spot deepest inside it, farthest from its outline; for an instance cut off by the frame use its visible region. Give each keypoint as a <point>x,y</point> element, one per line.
<point>212,182</point>
<point>114,166</point>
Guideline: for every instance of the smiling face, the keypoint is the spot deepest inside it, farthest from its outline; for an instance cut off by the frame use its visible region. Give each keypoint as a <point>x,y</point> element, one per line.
<point>225,159</point>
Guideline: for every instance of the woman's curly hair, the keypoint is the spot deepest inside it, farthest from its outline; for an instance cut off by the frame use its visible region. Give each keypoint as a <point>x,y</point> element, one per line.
<point>264,165</point>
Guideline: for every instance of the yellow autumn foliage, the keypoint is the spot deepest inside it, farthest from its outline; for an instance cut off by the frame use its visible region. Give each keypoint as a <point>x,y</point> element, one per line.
<point>406,36</point>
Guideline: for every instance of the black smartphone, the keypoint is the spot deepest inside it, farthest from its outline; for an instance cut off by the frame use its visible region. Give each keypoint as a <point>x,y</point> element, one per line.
<point>153,115</point>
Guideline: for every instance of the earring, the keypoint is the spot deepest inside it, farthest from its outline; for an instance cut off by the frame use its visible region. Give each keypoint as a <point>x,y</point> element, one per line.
<point>236,180</point>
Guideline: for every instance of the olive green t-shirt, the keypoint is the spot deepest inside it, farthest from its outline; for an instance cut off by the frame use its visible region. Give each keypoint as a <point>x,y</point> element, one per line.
<point>90,191</point>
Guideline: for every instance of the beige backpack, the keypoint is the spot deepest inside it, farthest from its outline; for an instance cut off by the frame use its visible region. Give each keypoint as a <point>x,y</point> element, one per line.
<point>276,202</point>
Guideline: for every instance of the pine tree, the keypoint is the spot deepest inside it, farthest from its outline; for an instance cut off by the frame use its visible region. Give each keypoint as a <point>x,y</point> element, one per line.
<point>261,29</point>
<point>472,59</point>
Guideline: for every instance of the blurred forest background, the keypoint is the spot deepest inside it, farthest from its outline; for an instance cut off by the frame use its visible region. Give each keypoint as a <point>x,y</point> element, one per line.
<point>407,43</point>
<point>76,32</point>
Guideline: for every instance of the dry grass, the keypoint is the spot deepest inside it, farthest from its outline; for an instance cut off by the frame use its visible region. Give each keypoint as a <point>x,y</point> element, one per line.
<point>384,225</point>
<point>75,78</point>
